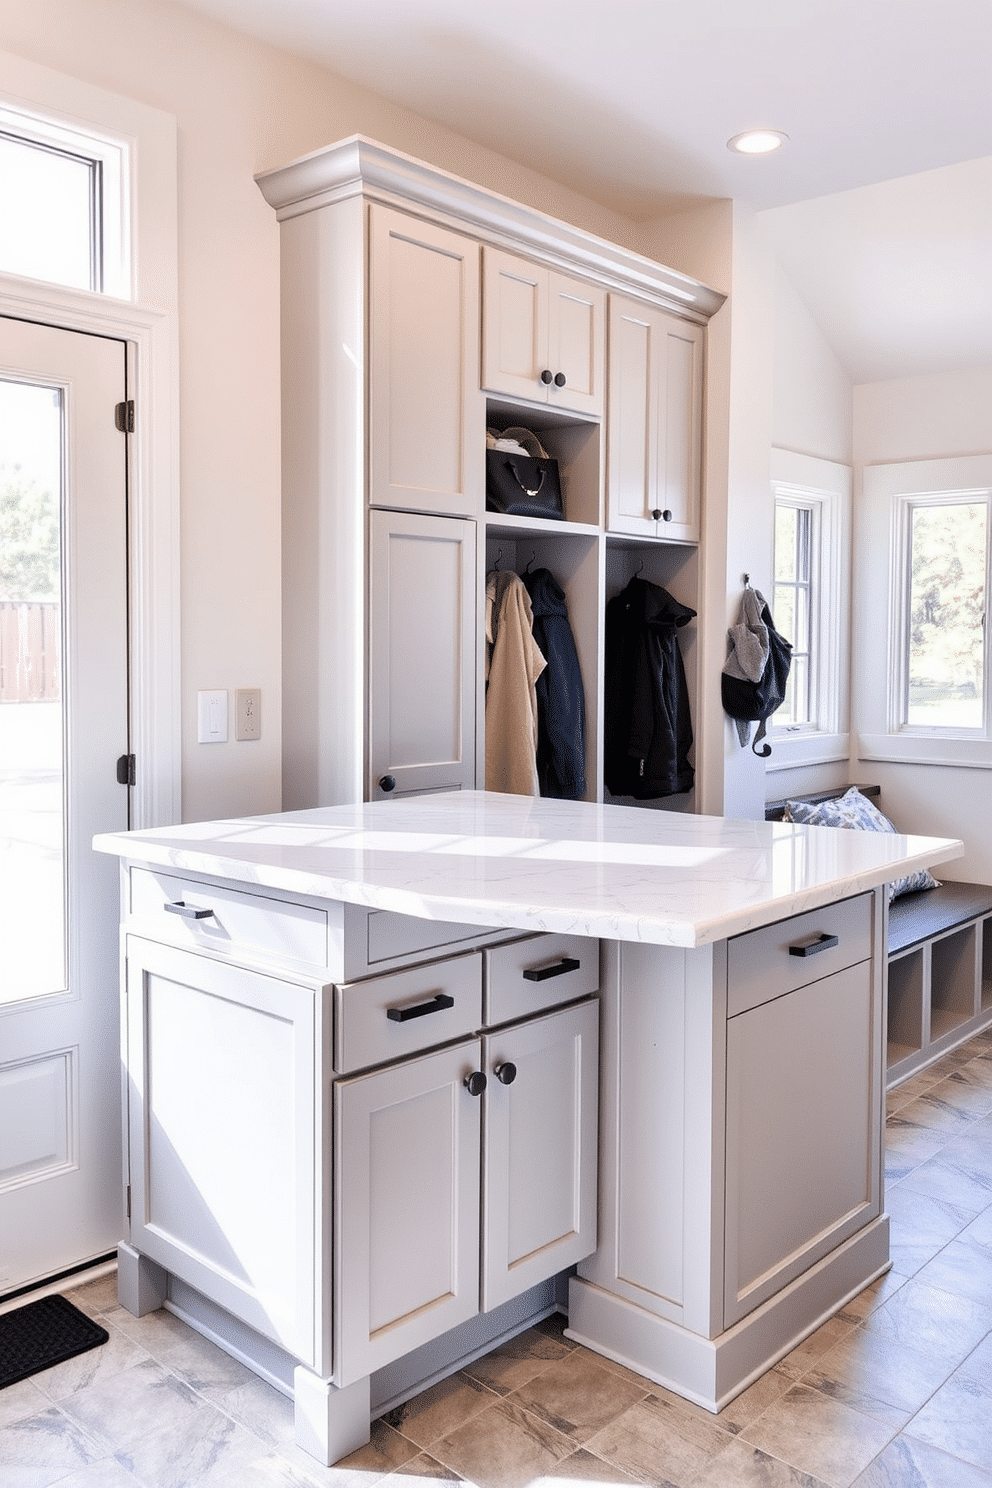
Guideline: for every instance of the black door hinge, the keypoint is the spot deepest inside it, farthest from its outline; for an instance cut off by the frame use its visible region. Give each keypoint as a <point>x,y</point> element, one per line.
<point>124,416</point>
<point>125,770</point>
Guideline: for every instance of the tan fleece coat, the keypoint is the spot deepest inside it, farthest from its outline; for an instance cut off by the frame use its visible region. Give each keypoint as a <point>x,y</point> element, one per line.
<point>513,664</point>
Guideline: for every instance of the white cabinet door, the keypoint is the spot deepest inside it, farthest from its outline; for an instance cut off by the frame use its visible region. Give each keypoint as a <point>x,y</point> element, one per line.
<point>542,334</point>
<point>422,661</point>
<point>426,446</point>
<point>654,429</point>
<point>406,1207</point>
<point>802,1160</point>
<point>541,1133</point>
<point>225,1133</point>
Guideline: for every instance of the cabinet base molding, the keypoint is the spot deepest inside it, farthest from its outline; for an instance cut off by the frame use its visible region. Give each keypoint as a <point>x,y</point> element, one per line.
<point>142,1285</point>
<point>329,1423</point>
<point>711,1372</point>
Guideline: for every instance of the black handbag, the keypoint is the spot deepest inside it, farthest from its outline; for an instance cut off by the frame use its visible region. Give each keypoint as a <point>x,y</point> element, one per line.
<point>522,486</point>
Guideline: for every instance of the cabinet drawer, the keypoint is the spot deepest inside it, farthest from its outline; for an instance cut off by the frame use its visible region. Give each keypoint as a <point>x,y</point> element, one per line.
<point>778,958</point>
<point>389,1017</point>
<point>529,975</point>
<point>381,940</point>
<point>187,912</point>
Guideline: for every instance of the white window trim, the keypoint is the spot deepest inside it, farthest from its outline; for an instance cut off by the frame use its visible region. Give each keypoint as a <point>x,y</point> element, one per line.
<point>112,153</point>
<point>826,485</point>
<point>887,491</point>
<point>146,319</point>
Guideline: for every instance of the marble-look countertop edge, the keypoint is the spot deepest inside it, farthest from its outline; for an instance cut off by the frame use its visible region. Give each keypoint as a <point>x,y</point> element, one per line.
<point>673,929</point>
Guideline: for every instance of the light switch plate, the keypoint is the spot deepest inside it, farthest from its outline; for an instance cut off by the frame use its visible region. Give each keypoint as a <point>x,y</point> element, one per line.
<point>211,717</point>
<point>248,713</point>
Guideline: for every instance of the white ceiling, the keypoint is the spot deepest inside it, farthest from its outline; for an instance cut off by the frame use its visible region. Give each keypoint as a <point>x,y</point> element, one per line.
<point>631,102</point>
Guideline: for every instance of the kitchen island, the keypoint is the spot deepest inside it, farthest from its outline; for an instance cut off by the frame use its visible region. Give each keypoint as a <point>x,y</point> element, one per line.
<point>403,1076</point>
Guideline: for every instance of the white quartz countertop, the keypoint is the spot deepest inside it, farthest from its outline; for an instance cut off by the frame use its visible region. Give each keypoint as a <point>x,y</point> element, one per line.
<point>484,859</point>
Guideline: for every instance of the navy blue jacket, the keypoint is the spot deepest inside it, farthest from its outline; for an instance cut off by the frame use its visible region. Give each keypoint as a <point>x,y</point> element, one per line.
<point>648,730</point>
<point>561,708</point>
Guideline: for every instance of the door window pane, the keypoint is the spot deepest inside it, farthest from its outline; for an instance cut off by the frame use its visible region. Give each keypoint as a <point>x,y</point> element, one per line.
<point>946,653</point>
<point>47,225</point>
<point>32,796</point>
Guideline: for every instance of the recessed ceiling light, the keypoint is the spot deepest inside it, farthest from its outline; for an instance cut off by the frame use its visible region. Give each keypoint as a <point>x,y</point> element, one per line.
<point>757,141</point>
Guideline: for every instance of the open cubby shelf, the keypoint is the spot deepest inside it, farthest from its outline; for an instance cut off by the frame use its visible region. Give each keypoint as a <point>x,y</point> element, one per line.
<point>939,977</point>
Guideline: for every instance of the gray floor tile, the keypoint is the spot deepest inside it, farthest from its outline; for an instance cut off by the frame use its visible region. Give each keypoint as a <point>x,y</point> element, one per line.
<point>893,1392</point>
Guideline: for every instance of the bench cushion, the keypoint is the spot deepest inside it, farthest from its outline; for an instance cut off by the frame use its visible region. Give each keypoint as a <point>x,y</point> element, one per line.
<point>919,916</point>
<point>854,811</point>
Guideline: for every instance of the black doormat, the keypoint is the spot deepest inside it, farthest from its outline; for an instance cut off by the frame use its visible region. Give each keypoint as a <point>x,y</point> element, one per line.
<point>43,1333</point>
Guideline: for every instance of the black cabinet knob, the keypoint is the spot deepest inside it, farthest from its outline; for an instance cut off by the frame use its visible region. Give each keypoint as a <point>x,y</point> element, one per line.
<point>547,376</point>
<point>657,513</point>
<point>475,1083</point>
<point>387,783</point>
<point>559,379</point>
<point>666,516</point>
<point>506,1073</point>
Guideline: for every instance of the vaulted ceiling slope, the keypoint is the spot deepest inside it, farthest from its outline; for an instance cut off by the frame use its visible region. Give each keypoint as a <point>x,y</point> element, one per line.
<point>632,102</point>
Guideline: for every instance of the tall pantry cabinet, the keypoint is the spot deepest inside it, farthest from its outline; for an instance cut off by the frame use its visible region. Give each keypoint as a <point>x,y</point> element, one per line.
<point>418,310</point>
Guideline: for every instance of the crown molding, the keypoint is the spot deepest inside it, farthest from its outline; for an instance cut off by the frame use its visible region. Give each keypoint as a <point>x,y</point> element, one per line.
<point>358,166</point>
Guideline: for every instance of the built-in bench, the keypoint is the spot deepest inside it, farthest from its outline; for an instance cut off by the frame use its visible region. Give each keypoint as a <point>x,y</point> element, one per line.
<point>939,963</point>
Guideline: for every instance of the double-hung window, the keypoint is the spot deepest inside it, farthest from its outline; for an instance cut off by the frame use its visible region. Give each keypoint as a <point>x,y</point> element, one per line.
<point>809,605</point>
<point>923,687</point>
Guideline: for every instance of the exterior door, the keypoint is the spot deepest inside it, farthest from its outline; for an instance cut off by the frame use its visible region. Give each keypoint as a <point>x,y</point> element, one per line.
<point>63,725</point>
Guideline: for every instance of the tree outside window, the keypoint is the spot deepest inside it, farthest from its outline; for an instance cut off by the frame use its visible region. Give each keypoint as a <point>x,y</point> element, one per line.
<point>945,654</point>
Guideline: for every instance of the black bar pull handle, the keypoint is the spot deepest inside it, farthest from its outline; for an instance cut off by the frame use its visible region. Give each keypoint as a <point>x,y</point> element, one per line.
<point>437,1004</point>
<point>542,973</point>
<point>822,943</point>
<point>188,911</point>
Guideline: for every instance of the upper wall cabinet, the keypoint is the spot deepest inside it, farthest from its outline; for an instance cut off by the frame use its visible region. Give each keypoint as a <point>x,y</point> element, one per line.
<point>542,334</point>
<point>425,452</point>
<point>654,425</point>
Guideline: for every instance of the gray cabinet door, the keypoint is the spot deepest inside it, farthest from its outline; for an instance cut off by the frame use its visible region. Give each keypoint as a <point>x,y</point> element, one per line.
<point>803,1154</point>
<point>422,654</point>
<point>426,449</point>
<point>655,422</point>
<point>226,1135</point>
<point>406,1204</point>
<point>539,1201</point>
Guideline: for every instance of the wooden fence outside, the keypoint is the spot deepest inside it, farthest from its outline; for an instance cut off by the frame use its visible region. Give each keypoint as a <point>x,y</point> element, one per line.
<point>30,641</point>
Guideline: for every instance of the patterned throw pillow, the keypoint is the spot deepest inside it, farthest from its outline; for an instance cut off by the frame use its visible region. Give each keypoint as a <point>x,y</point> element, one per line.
<point>855,811</point>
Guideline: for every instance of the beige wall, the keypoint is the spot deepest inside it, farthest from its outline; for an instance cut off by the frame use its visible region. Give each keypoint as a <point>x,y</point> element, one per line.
<point>240,107</point>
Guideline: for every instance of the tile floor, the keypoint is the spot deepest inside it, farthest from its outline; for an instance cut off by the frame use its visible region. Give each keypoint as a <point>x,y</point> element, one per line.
<point>894,1392</point>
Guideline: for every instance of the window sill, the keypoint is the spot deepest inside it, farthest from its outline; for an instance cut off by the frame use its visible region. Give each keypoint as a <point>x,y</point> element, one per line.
<point>790,750</point>
<point>915,749</point>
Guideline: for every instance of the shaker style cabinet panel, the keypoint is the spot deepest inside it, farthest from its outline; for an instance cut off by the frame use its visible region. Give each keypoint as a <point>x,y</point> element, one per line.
<point>654,424</point>
<point>542,334</point>
<point>425,450</point>
<point>422,654</point>
<point>406,1207</point>
<point>222,1138</point>
<point>542,1129</point>
<point>802,1166</point>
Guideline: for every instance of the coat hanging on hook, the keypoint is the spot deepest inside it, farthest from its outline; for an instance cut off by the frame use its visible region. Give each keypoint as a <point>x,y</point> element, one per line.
<point>757,669</point>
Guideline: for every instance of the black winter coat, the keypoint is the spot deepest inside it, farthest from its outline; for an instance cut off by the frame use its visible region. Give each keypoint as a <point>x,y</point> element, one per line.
<point>648,728</point>
<point>561,709</point>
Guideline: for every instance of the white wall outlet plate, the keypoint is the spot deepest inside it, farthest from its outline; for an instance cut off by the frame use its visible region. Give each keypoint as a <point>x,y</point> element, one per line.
<point>211,717</point>
<point>248,713</point>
